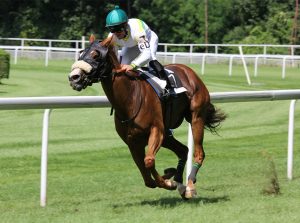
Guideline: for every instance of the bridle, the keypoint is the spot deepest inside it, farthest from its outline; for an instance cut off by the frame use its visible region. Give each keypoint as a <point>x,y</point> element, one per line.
<point>93,63</point>
<point>100,67</point>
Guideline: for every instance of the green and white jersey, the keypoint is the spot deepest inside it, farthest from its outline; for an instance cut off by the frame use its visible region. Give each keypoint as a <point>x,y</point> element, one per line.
<point>138,35</point>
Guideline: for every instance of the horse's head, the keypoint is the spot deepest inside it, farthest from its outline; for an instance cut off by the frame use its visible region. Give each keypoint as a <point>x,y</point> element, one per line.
<point>92,66</point>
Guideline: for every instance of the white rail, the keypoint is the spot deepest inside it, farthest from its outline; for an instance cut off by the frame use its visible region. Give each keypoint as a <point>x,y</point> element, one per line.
<point>202,57</point>
<point>190,46</point>
<point>174,57</point>
<point>216,47</point>
<point>46,50</point>
<point>78,43</point>
<point>101,101</point>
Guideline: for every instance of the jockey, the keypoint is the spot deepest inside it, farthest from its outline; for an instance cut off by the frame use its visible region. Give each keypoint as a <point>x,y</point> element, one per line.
<point>137,41</point>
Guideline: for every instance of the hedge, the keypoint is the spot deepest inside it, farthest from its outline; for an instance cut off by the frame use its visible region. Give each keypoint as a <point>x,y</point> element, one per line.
<point>4,64</point>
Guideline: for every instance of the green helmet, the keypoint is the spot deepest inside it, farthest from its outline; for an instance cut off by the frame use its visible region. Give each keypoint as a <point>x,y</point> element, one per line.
<point>116,17</point>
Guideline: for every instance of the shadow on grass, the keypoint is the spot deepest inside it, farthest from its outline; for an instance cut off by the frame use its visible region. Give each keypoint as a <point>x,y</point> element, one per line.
<point>173,202</point>
<point>5,84</point>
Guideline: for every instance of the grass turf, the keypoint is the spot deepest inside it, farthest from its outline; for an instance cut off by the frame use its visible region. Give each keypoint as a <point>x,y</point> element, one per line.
<point>92,178</point>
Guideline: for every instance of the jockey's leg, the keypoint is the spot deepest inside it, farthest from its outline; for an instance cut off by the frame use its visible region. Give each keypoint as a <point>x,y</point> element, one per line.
<point>159,69</point>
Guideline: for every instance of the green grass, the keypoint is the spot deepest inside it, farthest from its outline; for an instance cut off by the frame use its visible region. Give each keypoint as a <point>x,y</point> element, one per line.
<point>91,175</point>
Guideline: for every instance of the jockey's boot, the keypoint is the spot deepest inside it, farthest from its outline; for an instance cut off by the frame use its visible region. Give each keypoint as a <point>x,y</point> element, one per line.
<point>159,69</point>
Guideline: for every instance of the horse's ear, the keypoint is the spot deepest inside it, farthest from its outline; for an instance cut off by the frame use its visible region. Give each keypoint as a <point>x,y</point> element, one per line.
<point>107,42</point>
<point>92,38</point>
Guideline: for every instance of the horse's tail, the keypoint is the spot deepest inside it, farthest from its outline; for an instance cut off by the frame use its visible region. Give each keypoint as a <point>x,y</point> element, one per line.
<point>214,117</point>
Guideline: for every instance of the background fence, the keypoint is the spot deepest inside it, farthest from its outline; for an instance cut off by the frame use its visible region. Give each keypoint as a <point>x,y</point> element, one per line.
<point>232,53</point>
<point>58,53</point>
<point>163,47</point>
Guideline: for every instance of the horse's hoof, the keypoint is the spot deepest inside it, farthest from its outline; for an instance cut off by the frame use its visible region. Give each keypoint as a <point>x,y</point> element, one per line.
<point>169,173</point>
<point>190,192</point>
<point>170,184</point>
<point>150,184</point>
<point>181,189</point>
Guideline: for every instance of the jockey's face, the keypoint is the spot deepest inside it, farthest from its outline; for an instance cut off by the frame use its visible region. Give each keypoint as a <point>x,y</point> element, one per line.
<point>119,30</point>
<point>120,34</point>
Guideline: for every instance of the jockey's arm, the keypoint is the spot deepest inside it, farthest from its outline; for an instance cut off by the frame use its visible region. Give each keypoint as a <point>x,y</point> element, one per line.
<point>145,56</point>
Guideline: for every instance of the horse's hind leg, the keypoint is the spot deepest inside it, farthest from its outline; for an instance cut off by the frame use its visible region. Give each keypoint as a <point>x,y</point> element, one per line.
<point>181,152</point>
<point>199,155</point>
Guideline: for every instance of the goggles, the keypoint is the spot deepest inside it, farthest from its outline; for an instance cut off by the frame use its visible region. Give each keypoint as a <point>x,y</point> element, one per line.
<point>117,29</point>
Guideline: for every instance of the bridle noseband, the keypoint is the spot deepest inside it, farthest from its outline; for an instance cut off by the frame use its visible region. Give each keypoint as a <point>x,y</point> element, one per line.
<point>95,56</point>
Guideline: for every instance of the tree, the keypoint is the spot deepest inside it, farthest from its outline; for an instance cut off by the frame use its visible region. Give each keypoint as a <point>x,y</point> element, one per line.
<point>175,21</point>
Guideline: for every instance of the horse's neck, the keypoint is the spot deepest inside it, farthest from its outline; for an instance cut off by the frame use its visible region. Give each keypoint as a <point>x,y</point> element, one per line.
<point>121,92</point>
<point>119,89</point>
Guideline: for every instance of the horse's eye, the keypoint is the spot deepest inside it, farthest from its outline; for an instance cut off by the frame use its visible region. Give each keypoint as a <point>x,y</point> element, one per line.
<point>95,54</point>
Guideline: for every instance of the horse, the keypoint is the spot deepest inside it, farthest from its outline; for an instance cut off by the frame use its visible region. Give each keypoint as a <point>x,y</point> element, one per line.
<point>143,120</point>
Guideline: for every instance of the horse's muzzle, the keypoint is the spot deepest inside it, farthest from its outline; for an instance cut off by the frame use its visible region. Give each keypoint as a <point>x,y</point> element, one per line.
<point>77,79</point>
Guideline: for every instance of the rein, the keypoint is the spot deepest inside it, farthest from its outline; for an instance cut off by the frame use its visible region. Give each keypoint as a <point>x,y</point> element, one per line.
<point>140,104</point>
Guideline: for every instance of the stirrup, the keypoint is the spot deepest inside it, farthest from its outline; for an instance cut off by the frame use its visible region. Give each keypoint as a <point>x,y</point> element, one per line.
<point>168,92</point>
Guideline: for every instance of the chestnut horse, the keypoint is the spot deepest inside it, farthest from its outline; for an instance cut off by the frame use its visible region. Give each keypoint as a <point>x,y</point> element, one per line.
<point>142,118</point>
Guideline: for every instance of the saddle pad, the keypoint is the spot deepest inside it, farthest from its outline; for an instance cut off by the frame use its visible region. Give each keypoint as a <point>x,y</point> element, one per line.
<point>159,85</point>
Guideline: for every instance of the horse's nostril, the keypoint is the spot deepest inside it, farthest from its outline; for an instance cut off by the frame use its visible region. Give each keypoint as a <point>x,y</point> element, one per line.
<point>75,77</point>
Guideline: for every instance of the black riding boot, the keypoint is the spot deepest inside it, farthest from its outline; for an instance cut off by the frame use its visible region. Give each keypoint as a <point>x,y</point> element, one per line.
<point>159,69</point>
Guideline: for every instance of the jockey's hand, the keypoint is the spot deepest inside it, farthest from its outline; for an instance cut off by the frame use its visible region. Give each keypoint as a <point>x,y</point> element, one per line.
<point>126,67</point>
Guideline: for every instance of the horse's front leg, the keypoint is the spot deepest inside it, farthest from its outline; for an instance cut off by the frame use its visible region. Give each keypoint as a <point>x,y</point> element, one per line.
<point>138,153</point>
<point>199,155</point>
<point>136,146</point>
<point>154,143</point>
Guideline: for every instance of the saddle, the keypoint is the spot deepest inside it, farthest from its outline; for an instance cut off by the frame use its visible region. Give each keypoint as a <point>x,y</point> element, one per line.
<point>159,85</point>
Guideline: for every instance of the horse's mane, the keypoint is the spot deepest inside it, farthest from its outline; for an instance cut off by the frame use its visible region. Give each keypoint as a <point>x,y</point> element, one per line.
<point>109,43</point>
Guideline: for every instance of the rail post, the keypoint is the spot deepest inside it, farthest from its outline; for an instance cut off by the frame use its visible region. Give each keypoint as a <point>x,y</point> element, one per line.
<point>44,158</point>
<point>190,153</point>
<point>291,140</point>
<point>245,65</point>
